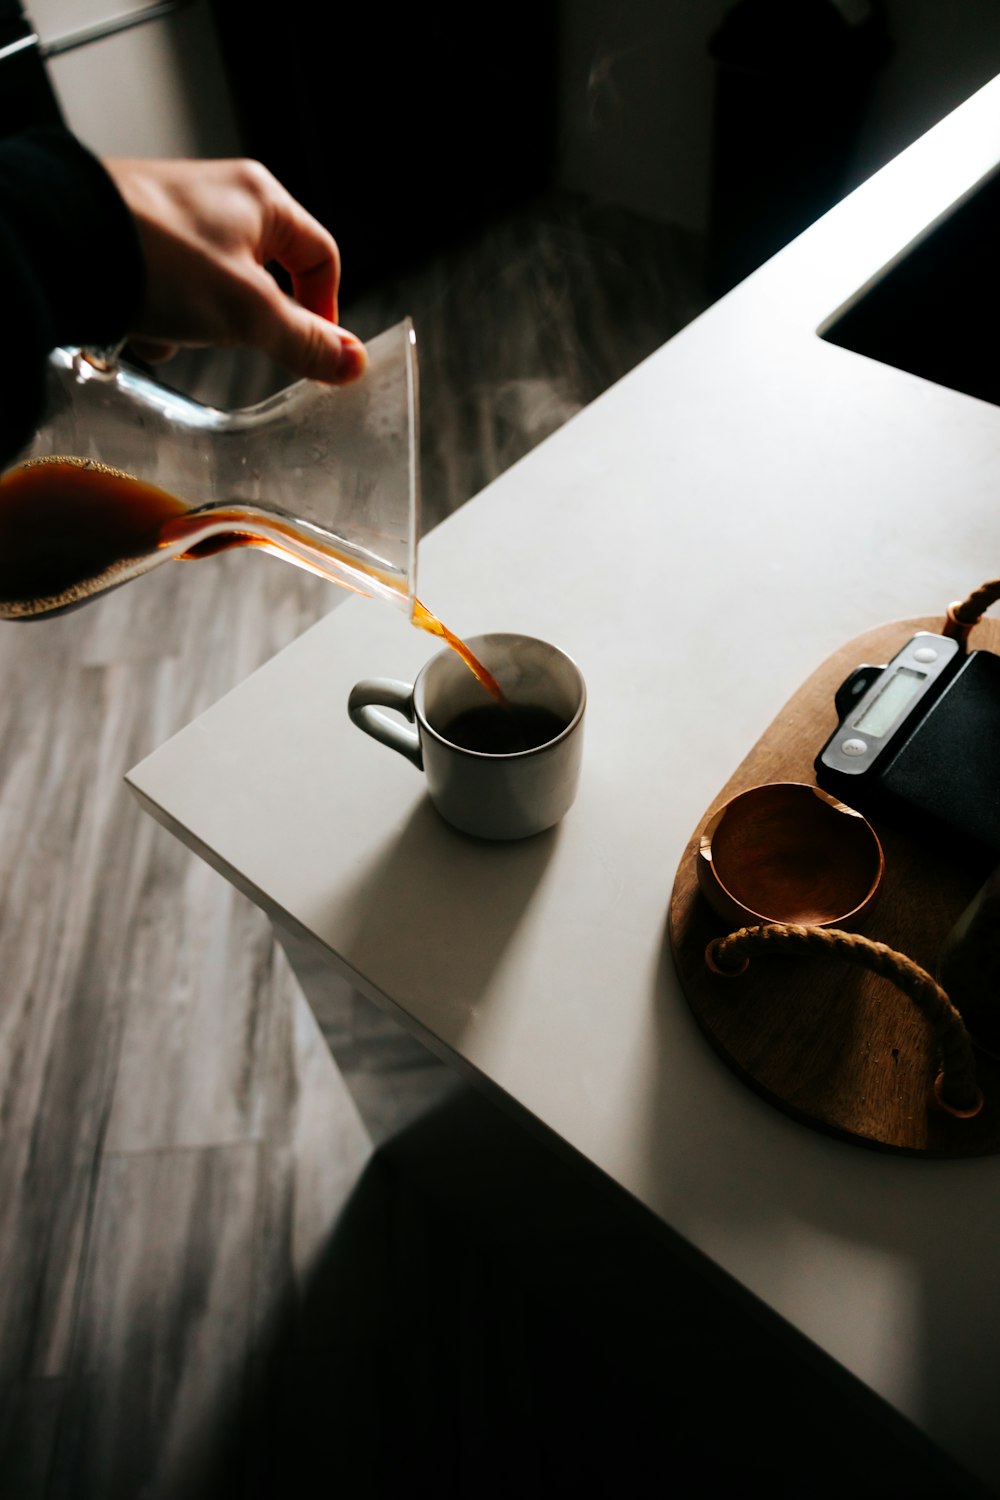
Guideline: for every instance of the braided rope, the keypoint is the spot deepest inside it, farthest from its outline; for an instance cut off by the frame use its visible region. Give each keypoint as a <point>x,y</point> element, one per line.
<point>963,616</point>
<point>958,1089</point>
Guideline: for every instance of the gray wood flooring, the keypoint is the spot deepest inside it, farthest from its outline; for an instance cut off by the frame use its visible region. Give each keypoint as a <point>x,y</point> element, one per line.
<point>215,1279</point>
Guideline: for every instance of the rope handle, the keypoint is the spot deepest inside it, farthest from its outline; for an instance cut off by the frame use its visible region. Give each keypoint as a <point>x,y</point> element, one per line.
<point>956,1088</point>
<point>963,616</point>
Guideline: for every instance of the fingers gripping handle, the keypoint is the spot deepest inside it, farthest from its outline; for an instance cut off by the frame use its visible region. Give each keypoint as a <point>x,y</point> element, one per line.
<point>376,693</point>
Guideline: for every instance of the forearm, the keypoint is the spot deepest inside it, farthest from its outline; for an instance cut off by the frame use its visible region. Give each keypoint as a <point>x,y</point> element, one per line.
<point>71,266</point>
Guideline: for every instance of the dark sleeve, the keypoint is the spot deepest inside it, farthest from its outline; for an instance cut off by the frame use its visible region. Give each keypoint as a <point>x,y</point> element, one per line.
<point>71,269</point>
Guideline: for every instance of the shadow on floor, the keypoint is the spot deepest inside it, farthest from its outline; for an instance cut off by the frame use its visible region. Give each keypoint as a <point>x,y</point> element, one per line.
<point>489,1321</point>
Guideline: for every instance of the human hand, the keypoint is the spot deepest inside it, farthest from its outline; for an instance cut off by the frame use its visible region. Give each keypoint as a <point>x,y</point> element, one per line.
<point>207,230</point>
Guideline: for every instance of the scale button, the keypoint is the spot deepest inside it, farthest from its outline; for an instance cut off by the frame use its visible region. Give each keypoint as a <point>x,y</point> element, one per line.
<point>854,747</point>
<point>925,654</point>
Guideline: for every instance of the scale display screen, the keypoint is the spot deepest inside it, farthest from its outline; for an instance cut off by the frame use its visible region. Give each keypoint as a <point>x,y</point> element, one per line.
<point>894,699</point>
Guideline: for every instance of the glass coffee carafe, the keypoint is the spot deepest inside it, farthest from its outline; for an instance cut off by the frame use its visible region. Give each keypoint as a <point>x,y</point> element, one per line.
<point>125,474</point>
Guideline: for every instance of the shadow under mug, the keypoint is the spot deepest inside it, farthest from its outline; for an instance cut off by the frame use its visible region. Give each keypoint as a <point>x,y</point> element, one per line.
<point>492,795</point>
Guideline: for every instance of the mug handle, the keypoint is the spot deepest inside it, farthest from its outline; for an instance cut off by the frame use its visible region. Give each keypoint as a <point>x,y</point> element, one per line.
<point>382,692</point>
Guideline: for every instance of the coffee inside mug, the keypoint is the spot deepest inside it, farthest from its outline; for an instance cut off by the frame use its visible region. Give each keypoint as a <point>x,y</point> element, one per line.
<point>542,694</point>
<point>504,728</point>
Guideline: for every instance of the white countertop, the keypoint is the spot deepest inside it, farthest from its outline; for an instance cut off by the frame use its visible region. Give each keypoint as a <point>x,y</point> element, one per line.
<point>750,470</point>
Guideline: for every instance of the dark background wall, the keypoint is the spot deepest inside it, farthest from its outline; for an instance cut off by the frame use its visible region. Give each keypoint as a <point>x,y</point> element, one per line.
<point>743,119</point>
<point>403,132</point>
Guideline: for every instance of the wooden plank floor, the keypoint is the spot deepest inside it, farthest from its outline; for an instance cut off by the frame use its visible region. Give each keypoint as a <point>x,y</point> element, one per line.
<point>210,1282</point>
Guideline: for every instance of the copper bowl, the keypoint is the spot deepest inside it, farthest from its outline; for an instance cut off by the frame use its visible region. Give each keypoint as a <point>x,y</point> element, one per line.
<point>788,852</point>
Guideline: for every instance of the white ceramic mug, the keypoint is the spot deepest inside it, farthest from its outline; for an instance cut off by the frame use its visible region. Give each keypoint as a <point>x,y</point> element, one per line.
<point>492,795</point>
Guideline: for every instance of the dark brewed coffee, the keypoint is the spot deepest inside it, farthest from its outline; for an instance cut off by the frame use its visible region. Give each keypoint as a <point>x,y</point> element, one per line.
<point>503,729</point>
<point>71,527</point>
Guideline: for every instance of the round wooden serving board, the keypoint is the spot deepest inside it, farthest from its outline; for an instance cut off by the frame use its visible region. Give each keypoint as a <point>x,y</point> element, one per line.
<point>833,1045</point>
